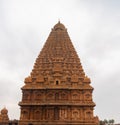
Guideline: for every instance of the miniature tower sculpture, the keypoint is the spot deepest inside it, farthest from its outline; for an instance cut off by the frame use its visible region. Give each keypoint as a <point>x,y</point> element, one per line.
<point>57,92</point>
<point>4,120</point>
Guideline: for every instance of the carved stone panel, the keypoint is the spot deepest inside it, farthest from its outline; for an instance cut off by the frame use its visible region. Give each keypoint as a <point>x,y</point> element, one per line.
<point>63,113</point>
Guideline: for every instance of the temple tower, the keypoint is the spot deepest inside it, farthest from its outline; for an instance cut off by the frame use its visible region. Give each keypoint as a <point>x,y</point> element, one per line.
<point>4,119</point>
<point>57,92</point>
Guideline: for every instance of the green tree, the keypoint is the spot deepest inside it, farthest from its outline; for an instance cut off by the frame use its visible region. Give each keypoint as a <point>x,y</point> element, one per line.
<point>101,122</point>
<point>111,121</point>
<point>107,122</point>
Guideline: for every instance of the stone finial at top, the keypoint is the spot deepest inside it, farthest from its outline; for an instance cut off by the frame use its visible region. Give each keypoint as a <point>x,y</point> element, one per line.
<point>58,20</point>
<point>59,26</point>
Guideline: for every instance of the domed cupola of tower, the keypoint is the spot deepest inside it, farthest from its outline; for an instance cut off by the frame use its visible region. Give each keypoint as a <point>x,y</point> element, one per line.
<point>59,26</point>
<point>4,115</point>
<point>4,111</point>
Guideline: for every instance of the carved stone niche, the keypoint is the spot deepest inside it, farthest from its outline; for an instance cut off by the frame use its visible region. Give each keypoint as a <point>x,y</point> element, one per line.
<point>50,80</point>
<point>57,68</point>
<point>75,96</point>
<point>37,115</point>
<point>63,95</point>
<point>87,96</point>
<point>50,113</point>
<point>75,114</point>
<point>57,82</point>
<point>38,95</point>
<point>26,96</point>
<point>40,79</point>
<point>88,115</point>
<point>63,113</point>
<point>50,96</point>
<point>74,78</point>
<point>24,114</point>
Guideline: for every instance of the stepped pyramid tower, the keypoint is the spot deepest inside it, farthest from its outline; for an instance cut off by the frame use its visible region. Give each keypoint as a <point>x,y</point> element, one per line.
<point>4,119</point>
<point>57,92</point>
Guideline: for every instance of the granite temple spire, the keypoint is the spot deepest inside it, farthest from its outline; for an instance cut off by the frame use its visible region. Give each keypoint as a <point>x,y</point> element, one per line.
<point>57,92</point>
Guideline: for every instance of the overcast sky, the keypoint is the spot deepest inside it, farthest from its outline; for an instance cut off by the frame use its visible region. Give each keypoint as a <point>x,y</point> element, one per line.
<point>94,28</point>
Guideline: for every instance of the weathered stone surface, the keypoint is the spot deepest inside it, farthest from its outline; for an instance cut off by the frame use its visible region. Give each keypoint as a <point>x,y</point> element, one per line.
<point>57,92</point>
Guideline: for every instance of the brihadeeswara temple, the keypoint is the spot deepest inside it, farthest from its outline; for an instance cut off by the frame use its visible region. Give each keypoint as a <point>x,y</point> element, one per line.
<point>57,91</point>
